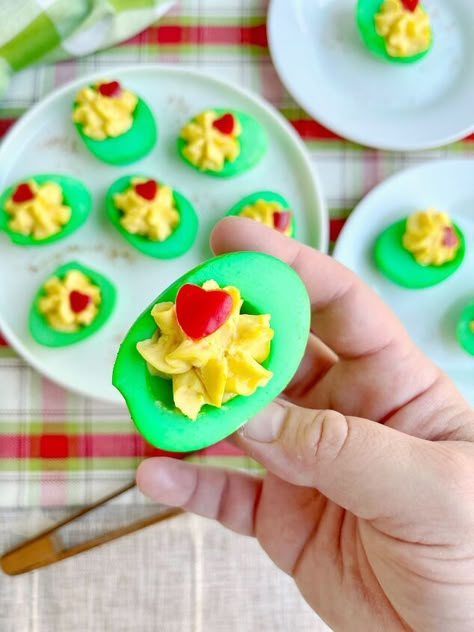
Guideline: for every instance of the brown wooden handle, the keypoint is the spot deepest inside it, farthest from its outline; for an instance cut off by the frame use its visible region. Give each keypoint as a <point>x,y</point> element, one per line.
<point>46,548</point>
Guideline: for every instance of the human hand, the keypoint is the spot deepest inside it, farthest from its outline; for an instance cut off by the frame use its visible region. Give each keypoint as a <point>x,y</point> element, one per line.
<point>374,521</point>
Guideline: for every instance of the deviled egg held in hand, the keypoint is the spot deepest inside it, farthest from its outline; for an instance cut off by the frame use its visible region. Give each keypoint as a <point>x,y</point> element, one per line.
<point>213,349</point>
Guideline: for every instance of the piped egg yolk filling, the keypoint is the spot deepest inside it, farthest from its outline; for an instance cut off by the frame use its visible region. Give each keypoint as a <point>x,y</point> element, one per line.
<point>406,32</point>
<point>211,140</point>
<point>104,110</point>
<point>216,367</point>
<point>69,303</point>
<point>37,209</point>
<point>148,209</point>
<point>431,238</point>
<point>269,213</point>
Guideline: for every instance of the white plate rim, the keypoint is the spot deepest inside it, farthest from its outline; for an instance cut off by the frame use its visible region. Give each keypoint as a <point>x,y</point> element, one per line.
<point>270,111</point>
<point>321,116</point>
<point>344,239</point>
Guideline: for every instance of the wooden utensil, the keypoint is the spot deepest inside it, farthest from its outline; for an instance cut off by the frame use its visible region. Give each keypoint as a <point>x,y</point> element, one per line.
<point>46,547</point>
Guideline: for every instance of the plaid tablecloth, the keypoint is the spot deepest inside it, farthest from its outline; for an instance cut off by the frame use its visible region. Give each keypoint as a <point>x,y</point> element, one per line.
<point>57,448</point>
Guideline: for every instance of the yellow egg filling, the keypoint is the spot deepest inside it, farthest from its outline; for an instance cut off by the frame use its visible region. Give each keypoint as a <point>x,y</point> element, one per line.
<point>41,216</point>
<point>406,32</point>
<point>264,211</point>
<point>58,304</point>
<point>208,148</point>
<point>102,116</point>
<point>215,368</point>
<point>430,237</point>
<point>155,219</point>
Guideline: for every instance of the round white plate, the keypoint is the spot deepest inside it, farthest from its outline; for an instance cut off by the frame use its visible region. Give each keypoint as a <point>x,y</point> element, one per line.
<point>44,140</point>
<point>320,58</point>
<point>430,314</point>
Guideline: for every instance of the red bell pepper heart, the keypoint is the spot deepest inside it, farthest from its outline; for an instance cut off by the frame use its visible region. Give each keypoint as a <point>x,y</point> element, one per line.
<point>78,301</point>
<point>225,124</point>
<point>450,238</point>
<point>201,312</point>
<point>110,89</point>
<point>281,220</point>
<point>410,5</point>
<point>23,193</point>
<point>147,190</point>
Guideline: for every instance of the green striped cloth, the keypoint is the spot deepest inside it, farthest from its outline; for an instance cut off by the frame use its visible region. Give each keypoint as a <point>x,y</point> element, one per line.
<point>50,30</point>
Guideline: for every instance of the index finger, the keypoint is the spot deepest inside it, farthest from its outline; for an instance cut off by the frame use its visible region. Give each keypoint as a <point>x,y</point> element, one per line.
<point>347,315</point>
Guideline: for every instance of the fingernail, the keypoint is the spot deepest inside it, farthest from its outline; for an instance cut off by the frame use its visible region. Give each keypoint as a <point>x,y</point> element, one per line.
<point>266,425</point>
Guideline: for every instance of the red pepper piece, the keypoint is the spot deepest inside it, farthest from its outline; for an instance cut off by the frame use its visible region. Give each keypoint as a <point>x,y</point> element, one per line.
<point>225,124</point>
<point>450,238</point>
<point>110,89</point>
<point>147,190</point>
<point>201,312</point>
<point>23,193</point>
<point>281,220</point>
<point>410,5</point>
<point>78,301</point>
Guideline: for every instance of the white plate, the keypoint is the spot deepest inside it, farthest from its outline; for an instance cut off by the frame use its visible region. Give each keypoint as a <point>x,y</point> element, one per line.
<point>430,315</point>
<point>321,60</point>
<point>46,141</point>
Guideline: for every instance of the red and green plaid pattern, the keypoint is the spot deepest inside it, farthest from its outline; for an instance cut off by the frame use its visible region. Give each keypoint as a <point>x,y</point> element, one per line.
<point>58,448</point>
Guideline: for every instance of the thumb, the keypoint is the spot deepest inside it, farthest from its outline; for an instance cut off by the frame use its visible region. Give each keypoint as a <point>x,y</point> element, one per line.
<point>367,468</point>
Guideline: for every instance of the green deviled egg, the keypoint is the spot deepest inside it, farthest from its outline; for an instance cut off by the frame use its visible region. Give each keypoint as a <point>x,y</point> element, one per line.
<point>465,328</point>
<point>222,142</point>
<point>269,208</point>
<point>420,251</point>
<point>116,125</point>
<point>398,31</point>
<point>155,219</point>
<point>44,208</point>
<point>73,303</point>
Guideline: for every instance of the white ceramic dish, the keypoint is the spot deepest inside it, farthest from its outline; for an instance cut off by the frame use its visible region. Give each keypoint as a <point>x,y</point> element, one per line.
<point>321,60</point>
<point>430,315</point>
<point>44,140</point>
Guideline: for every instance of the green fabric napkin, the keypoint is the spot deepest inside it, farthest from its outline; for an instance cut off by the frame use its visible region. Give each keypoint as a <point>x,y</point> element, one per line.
<point>50,30</point>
